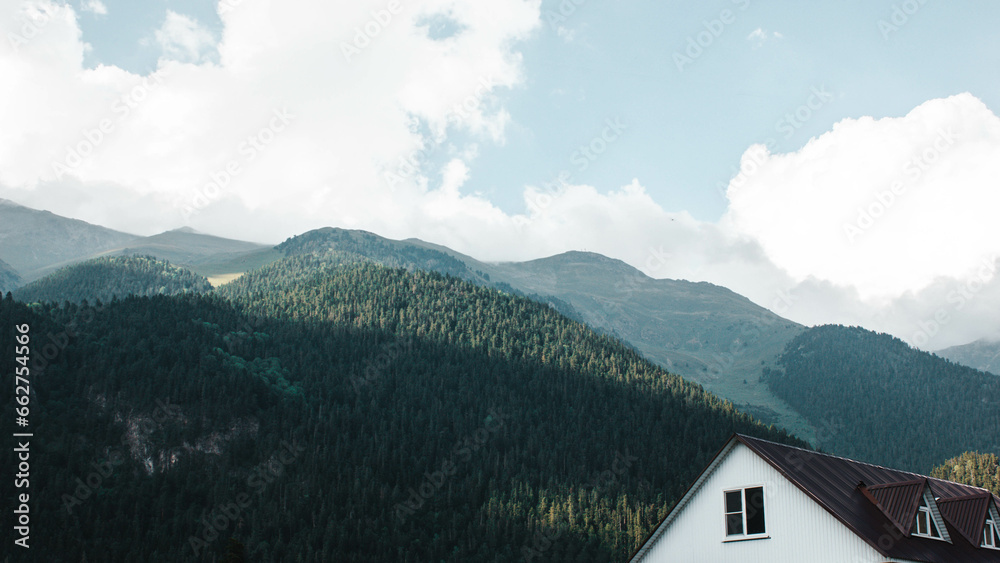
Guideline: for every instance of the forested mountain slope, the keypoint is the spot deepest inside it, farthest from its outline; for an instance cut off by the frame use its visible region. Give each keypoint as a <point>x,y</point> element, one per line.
<point>9,278</point>
<point>703,332</point>
<point>430,420</point>
<point>121,276</point>
<point>879,400</point>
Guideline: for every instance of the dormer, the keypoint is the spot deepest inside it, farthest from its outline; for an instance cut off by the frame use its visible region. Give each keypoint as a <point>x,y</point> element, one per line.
<point>975,517</point>
<point>911,507</point>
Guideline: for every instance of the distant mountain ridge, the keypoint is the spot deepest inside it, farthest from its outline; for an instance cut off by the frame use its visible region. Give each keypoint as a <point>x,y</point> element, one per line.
<point>35,242</point>
<point>982,355</point>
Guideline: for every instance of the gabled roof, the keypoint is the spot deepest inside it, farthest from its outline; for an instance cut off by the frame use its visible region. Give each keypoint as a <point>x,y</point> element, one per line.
<point>876,503</point>
<point>967,514</point>
<point>833,482</point>
<point>899,501</point>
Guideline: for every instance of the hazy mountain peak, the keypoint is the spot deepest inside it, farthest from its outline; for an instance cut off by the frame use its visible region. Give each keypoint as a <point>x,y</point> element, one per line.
<point>982,354</point>
<point>185,230</point>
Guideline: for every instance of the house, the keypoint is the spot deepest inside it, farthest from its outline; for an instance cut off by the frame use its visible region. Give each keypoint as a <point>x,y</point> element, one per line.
<point>762,502</point>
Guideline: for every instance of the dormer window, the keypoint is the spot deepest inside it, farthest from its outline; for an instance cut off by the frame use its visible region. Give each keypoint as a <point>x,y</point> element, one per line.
<point>924,525</point>
<point>745,513</point>
<point>991,531</point>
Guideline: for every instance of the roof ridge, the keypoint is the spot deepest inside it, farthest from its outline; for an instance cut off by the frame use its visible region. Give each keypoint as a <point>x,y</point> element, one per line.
<point>985,494</point>
<point>814,452</point>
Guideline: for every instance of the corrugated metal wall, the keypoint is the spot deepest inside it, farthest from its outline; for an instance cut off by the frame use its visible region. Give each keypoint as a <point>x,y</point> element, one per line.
<point>798,529</point>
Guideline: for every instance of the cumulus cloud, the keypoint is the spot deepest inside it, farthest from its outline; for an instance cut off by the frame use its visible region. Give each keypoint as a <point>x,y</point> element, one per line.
<point>884,205</point>
<point>898,213</point>
<point>183,39</point>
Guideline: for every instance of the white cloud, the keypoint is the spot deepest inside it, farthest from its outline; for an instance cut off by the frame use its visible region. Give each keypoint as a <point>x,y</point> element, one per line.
<point>183,39</point>
<point>886,206</point>
<point>94,6</point>
<point>898,214</point>
<point>758,37</point>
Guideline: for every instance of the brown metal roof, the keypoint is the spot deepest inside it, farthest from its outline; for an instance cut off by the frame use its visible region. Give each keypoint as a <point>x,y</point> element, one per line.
<point>899,501</point>
<point>967,514</point>
<point>833,482</point>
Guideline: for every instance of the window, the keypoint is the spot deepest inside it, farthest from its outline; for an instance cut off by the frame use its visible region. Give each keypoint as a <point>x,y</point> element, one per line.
<point>925,525</point>
<point>745,512</point>
<point>991,532</point>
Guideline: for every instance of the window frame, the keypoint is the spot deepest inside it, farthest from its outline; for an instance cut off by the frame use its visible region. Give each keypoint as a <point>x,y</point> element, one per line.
<point>744,536</point>
<point>992,521</point>
<point>924,510</point>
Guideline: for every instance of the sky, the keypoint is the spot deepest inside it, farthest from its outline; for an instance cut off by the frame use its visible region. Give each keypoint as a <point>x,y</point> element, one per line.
<point>834,161</point>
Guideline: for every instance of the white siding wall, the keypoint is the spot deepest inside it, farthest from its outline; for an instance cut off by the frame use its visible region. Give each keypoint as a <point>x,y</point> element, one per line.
<point>799,529</point>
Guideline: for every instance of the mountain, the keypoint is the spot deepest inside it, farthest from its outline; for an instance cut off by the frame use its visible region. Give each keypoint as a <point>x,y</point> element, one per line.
<point>879,400</point>
<point>983,355</point>
<point>104,278</point>
<point>36,242</point>
<point>320,409</point>
<point>205,254</point>
<point>9,278</point>
<point>703,332</point>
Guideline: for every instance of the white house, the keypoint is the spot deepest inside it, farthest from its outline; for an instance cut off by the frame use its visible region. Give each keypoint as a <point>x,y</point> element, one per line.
<point>762,502</point>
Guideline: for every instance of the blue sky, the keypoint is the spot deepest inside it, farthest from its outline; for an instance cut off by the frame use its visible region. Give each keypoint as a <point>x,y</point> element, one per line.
<point>841,153</point>
<point>686,129</point>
